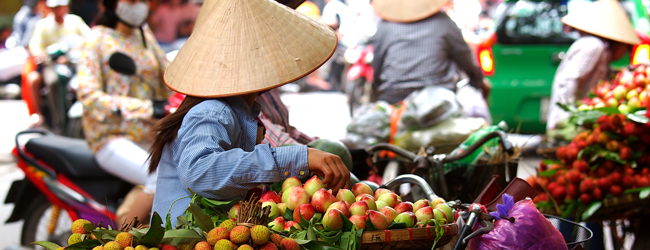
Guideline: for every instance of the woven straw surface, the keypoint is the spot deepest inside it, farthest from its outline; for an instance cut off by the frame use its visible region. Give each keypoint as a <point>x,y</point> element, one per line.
<point>407,11</point>
<point>245,46</point>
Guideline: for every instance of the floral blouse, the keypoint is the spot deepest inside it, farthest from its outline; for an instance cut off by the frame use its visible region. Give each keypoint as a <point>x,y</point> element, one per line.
<point>117,105</point>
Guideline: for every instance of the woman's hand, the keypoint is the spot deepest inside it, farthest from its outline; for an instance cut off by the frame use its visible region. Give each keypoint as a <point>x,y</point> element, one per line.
<point>330,167</point>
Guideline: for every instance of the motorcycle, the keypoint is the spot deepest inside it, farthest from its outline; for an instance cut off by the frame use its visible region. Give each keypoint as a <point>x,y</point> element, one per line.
<point>360,76</point>
<point>63,182</point>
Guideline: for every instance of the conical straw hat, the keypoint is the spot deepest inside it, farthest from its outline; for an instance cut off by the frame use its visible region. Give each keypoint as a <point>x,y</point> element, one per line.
<point>245,46</point>
<point>407,11</point>
<point>604,18</point>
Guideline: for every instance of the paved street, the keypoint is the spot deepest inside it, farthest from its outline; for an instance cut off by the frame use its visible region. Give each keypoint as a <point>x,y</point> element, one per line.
<point>317,114</point>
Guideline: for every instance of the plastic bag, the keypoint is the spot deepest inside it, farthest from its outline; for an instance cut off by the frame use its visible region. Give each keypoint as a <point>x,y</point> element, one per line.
<point>531,230</point>
<point>450,131</point>
<point>370,124</point>
<point>472,103</point>
<point>428,107</point>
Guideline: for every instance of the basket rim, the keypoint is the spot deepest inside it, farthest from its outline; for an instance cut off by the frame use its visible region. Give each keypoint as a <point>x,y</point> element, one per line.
<point>591,233</point>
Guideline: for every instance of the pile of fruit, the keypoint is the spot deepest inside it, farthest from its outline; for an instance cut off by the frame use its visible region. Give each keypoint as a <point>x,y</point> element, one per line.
<point>628,92</point>
<point>608,158</point>
<point>301,216</point>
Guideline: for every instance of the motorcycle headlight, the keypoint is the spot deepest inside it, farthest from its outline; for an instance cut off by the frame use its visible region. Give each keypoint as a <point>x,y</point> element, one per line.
<point>369,57</point>
<point>352,55</point>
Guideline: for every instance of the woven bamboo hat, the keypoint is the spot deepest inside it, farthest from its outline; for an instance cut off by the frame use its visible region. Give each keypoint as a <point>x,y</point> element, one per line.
<point>604,18</point>
<point>407,11</point>
<point>245,46</point>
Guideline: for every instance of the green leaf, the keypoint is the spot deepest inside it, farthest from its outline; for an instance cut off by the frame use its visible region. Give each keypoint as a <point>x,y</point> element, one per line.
<point>592,209</point>
<point>181,221</point>
<point>609,110</point>
<point>397,225</point>
<point>570,210</point>
<point>316,218</point>
<point>180,236</point>
<point>369,225</point>
<point>311,234</point>
<point>288,214</point>
<point>586,116</point>
<point>548,173</point>
<point>168,222</point>
<point>89,227</point>
<point>302,235</point>
<point>320,245</point>
<point>215,203</point>
<point>345,240</point>
<point>156,232</point>
<point>201,219</point>
<point>46,244</point>
<point>644,194</point>
<point>138,233</point>
<point>84,245</point>
<point>347,224</point>
<point>638,118</point>
<point>303,223</point>
<point>612,156</point>
<point>330,236</point>
<point>551,161</point>
<point>302,242</point>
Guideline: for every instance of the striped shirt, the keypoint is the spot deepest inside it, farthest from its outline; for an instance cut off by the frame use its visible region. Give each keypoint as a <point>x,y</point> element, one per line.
<point>47,31</point>
<point>216,156</point>
<point>584,65</point>
<point>428,52</point>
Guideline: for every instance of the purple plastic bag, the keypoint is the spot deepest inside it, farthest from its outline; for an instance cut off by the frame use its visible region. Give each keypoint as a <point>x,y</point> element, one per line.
<point>531,230</point>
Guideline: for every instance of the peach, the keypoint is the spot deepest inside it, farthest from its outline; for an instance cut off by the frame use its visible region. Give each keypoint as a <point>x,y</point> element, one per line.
<point>361,188</point>
<point>391,199</point>
<point>447,210</point>
<point>274,208</point>
<point>370,201</point>
<point>290,182</point>
<point>312,185</point>
<point>341,206</point>
<point>234,211</point>
<point>381,191</point>
<point>381,204</point>
<point>297,196</point>
<point>408,218</point>
<point>322,200</point>
<point>420,204</point>
<point>332,219</point>
<point>424,214</point>
<point>389,212</point>
<point>359,208</point>
<point>345,195</point>
<point>359,221</point>
<point>378,219</point>
<point>437,201</point>
<point>304,210</point>
<point>289,224</point>
<point>271,196</point>
<point>406,206</point>
<point>277,224</point>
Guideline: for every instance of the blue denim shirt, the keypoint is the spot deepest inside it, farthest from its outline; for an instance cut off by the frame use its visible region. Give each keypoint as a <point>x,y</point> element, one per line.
<point>215,154</point>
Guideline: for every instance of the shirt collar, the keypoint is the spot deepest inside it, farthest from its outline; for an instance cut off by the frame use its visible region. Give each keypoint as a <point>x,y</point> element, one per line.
<point>238,102</point>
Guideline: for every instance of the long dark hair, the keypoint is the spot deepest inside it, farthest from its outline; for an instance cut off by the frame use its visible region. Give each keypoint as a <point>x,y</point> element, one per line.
<point>108,17</point>
<point>166,130</point>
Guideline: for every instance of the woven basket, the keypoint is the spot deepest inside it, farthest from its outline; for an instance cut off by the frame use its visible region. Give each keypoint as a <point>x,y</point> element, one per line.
<point>411,238</point>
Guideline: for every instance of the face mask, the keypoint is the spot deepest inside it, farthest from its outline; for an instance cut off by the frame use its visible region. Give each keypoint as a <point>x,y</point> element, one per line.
<point>132,14</point>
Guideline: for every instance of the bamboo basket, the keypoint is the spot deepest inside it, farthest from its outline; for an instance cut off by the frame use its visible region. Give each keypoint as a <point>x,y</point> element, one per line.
<point>409,238</point>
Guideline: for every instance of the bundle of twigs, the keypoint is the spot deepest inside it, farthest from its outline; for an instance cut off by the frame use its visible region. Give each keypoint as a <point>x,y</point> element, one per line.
<point>251,213</point>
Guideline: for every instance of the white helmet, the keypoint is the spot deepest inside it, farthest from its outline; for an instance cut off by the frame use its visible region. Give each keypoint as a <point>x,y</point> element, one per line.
<point>55,3</point>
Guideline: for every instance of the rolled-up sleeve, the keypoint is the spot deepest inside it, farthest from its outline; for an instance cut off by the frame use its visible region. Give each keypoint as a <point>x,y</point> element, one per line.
<point>211,166</point>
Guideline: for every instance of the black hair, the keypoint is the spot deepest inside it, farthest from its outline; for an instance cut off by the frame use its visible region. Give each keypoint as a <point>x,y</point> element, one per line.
<point>109,18</point>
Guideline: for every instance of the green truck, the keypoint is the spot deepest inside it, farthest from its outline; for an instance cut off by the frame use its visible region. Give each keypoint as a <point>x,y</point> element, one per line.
<point>526,46</point>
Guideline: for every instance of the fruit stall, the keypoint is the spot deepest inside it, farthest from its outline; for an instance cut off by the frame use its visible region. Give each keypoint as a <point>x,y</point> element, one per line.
<point>602,174</point>
<point>299,216</point>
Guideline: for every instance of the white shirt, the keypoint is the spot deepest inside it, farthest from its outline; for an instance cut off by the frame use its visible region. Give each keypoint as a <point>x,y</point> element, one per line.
<point>47,32</point>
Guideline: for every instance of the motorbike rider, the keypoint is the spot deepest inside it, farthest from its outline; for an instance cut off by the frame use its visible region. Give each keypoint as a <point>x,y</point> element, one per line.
<point>24,22</point>
<point>57,27</point>
<point>120,110</point>
<point>417,45</point>
<point>210,144</point>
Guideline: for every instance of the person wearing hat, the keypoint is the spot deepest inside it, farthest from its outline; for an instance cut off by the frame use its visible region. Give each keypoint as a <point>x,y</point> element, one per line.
<point>120,110</point>
<point>417,45</point>
<point>210,144</point>
<point>606,33</point>
<point>56,27</point>
<point>24,22</point>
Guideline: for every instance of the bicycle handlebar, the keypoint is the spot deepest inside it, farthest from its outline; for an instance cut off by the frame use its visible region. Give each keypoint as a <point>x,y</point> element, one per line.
<point>507,146</point>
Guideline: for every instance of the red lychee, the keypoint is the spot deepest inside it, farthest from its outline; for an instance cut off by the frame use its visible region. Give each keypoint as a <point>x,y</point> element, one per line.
<point>625,153</point>
<point>609,165</point>
<point>559,193</point>
<point>586,186</point>
<point>585,198</point>
<point>616,177</point>
<point>616,190</point>
<point>597,194</point>
<point>572,154</point>
<point>628,181</point>
<point>540,197</point>
<point>643,181</point>
<point>573,175</point>
<point>612,146</point>
<point>581,166</point>
<point>572,191</point>
<point>562,181</point>
<point>561,153</point>
<point>604,183</point>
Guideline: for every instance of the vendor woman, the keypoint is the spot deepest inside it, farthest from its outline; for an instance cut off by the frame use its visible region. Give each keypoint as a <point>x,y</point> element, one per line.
<point>239,49</point>
<point>606,33</point>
